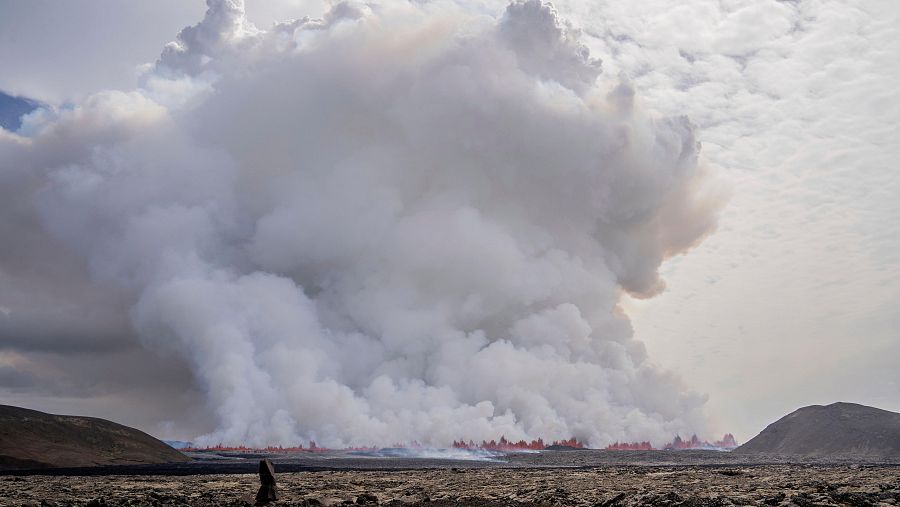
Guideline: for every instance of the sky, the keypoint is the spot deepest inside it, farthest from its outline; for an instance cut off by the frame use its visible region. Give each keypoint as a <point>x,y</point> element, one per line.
<point>782,293</point>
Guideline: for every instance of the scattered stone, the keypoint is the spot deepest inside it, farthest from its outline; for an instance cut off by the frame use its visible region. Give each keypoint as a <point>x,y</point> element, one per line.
<point>889,496</point>
<point>803,500</point>
<point>615,501</point>
<point>700,501</point>
<point>412,497</point>
<point>331,501</point>
<point>775,500</point>
<point>366,498</point>
<point>663,486</point>
<point>853,499</point>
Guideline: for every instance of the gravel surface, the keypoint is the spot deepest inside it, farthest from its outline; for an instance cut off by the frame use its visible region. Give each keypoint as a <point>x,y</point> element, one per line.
<point>547,479</point>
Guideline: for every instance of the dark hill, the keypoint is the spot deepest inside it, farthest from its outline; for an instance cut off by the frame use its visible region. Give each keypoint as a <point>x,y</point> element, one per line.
<point>836,430</point>
<point>32,439</point>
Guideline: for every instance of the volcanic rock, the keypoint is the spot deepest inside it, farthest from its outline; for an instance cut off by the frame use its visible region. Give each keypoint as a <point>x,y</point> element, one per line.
<point>560,447</point>
<point>267,490</point>
<point>32,439</point>
<point>764,485</point>
<point>843,430</point>
<point>366,499</point>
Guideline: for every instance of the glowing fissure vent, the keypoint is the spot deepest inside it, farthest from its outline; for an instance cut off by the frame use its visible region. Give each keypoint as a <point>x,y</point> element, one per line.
<point>505,445</point>
<point>727,442</point>
<point>271,448</point>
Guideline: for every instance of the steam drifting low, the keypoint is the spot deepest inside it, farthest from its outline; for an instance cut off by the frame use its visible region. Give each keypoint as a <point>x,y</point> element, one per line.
<point>399,222</point>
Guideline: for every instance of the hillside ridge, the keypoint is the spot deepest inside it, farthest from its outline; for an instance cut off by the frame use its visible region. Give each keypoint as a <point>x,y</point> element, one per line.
<point>33,439</point>
<point>841,429</point>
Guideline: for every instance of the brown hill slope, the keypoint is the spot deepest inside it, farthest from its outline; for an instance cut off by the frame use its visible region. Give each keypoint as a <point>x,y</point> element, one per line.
<point>32,439</point>
<point>838,430</point>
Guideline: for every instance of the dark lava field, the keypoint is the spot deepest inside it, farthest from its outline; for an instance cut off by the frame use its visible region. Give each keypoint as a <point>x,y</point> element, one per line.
<point>550,478</point>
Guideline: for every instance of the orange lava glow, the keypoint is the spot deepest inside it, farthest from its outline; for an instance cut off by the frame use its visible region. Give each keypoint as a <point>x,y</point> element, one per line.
<point>630,446</point>
<point>727,442</point>
<point>312,447</point>
<point>505,445</point>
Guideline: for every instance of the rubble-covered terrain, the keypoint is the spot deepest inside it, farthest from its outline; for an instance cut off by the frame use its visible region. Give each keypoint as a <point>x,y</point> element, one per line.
<point>612,486</point>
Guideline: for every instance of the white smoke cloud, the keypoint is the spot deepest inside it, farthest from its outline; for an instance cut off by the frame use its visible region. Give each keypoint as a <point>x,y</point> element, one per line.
<point>395,223</point>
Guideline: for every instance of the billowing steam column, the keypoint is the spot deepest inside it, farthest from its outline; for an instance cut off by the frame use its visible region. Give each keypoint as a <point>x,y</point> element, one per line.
<point>553,195</point>
<point>267,490</point>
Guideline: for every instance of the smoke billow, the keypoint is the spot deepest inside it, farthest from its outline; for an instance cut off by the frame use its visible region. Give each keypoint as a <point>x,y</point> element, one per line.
<point>398,222</point>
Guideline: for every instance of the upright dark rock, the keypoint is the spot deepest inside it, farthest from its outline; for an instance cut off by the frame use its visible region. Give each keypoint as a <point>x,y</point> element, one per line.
<point>267,490</point>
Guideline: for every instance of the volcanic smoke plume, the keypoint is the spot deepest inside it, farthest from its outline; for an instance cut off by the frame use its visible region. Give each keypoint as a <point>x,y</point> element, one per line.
<point>399,222</point>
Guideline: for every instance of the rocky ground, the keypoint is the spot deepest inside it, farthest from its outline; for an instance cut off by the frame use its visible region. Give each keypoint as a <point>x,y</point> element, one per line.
<point>616,486</point>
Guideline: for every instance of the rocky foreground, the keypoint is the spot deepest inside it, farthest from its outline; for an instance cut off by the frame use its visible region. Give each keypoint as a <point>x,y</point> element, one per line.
<point>764,485</point>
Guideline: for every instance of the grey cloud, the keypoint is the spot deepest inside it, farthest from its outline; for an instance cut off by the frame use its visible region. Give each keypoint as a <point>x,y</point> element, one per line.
<point>547,45</point>
<point>58,52</point>
<point>11,377</point>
